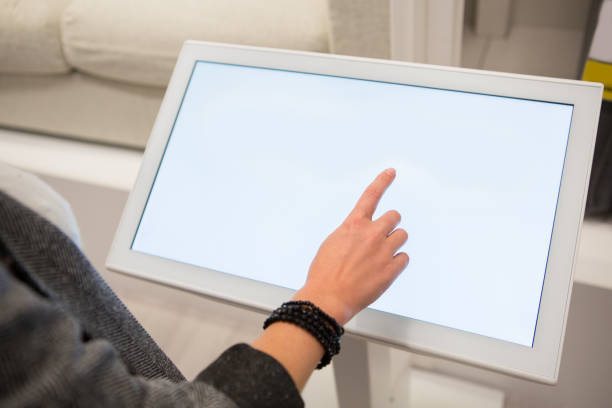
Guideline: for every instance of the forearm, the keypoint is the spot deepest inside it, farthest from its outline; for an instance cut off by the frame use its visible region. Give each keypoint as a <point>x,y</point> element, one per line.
<point>296,349</point>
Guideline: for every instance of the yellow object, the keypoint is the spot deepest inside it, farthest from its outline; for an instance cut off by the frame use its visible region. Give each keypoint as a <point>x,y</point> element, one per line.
<point>597,71</point>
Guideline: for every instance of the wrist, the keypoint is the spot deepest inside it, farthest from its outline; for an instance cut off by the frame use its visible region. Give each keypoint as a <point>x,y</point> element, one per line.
<point>329,304</point>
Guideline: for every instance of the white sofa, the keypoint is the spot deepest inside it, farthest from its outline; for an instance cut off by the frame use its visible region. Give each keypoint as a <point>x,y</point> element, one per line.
<point>97,70</point>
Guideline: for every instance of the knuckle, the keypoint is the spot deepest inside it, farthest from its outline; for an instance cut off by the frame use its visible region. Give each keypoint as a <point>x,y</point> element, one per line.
<point>353,223</point>
<point>374,238</point>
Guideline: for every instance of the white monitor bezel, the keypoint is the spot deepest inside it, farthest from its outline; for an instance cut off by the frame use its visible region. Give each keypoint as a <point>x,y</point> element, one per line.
<point>539,363</point>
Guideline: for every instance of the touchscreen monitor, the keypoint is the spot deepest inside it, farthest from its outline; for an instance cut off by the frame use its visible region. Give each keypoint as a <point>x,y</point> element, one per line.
<point>262,164</point>
<point>257,155</point>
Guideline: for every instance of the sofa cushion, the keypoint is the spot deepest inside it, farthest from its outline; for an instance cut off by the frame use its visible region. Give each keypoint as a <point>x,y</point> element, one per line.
<point>30,40</point>
<point>139,40</point>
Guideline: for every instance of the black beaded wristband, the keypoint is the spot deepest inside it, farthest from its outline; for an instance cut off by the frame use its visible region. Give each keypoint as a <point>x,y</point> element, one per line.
<point>312,319</point>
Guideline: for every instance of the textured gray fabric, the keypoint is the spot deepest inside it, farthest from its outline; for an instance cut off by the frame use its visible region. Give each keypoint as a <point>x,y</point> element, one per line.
<point>232,373</point>
<point>44,361</point>
<point>62,273</point>
<point>66,339</point>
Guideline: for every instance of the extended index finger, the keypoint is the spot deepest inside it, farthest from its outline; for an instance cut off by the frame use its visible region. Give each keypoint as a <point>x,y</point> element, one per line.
<point>368,201</point>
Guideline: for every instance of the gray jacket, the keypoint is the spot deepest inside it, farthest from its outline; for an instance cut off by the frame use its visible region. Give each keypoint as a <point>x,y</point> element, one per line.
<point>67,340</point>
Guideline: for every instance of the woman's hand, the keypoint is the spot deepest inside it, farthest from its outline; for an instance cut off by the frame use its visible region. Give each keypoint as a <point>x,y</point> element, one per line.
<point>358,261</point>
<point>353,267</point>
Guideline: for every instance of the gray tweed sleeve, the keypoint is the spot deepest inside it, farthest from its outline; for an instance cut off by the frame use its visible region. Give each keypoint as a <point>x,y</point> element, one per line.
<point>46,360</point>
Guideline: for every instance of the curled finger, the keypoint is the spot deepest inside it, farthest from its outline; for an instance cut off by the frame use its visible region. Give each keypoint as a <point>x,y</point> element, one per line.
<point>396,239</point>
<point>388,221</point>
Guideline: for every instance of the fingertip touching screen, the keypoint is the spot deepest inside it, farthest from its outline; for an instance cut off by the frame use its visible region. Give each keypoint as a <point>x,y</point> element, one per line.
<point>263,164</point>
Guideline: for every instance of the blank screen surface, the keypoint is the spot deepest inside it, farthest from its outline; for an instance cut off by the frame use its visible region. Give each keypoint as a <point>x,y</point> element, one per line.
<point>263,164</point>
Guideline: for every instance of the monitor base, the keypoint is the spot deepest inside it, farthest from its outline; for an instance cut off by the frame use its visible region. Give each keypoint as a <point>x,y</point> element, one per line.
<point>367,375</point>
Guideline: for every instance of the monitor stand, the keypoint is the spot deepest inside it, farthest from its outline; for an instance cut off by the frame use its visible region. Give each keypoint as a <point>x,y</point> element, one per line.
<point>366,377</point>
<point>355,387</point>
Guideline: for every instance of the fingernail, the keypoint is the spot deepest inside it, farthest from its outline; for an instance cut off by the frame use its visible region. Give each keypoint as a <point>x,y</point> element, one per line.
<point>390,171</point>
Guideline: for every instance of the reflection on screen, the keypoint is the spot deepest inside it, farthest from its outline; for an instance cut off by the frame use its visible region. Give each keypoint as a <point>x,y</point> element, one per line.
<point>263,164</point>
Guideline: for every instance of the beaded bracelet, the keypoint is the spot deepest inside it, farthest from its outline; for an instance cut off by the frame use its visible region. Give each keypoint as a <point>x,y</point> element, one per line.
<point>312,319</point>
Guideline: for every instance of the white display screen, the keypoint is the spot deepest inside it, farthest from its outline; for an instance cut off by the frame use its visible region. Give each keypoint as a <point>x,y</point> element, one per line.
<point>263,164</point>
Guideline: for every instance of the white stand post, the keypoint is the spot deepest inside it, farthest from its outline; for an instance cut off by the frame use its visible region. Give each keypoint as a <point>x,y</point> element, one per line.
<point>363,376</point>
<point>352,373</point>
<point>367,377</point>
